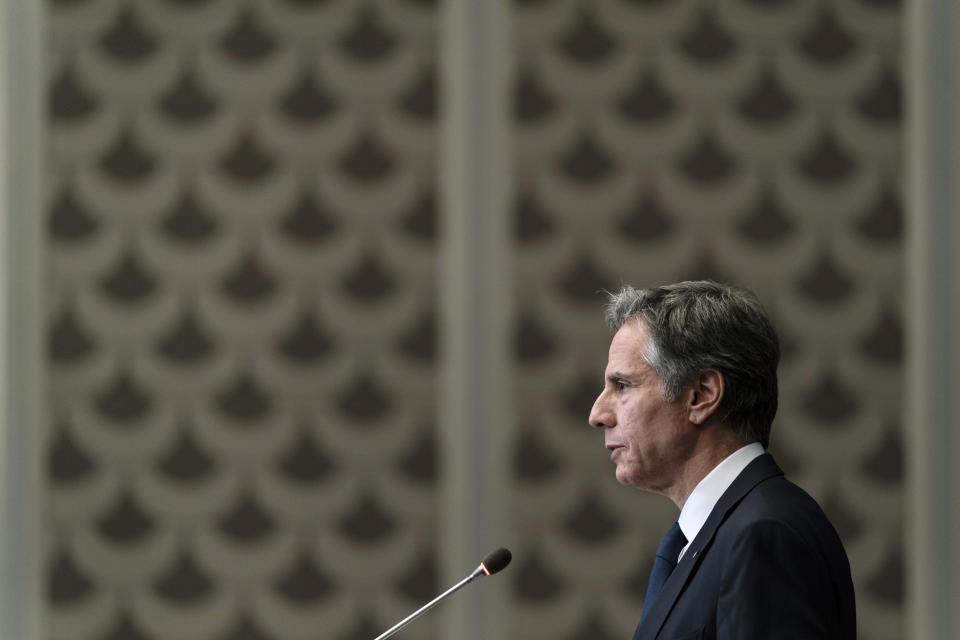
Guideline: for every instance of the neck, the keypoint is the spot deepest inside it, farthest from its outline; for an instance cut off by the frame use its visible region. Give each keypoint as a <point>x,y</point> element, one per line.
<point>705,458</point>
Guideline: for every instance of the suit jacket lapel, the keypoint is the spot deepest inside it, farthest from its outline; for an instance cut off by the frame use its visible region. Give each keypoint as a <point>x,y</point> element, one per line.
<point>758,470</point>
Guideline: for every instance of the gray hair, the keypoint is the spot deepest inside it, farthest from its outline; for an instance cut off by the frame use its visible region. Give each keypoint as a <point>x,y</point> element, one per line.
<point>701,325</point>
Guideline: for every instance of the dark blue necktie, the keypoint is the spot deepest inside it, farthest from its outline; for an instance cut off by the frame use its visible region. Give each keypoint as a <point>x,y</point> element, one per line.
<point>663,565</point>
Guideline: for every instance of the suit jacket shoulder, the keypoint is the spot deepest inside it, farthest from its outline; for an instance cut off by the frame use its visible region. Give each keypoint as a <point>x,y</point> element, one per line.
<point>767,563</point>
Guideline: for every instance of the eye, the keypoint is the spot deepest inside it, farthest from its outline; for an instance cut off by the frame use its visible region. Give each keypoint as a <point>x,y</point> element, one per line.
<point>619,385</point>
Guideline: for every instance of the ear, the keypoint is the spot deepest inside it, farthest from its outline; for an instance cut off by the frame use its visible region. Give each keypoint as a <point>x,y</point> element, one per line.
<point>707,394</point>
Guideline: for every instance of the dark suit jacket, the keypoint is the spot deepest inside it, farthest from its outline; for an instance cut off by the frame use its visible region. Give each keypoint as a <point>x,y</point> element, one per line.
<point>766,564</point>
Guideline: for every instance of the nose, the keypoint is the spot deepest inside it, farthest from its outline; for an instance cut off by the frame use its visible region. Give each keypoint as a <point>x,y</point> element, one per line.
<point>601,415</point>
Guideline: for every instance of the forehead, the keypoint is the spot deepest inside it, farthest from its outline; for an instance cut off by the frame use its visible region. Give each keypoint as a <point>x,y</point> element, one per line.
<point>628,348</point>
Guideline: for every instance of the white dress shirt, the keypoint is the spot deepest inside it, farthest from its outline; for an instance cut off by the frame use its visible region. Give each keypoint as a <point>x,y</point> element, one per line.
<point>706,494</point>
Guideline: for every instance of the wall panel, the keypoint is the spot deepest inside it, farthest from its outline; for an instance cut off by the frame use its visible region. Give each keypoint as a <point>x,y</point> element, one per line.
<point>752,142</point>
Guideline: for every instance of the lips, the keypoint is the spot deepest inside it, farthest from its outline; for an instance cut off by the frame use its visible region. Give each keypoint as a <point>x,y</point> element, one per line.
<point>613,449</point>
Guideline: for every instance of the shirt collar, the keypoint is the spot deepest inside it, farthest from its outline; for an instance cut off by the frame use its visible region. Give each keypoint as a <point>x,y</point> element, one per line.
<point>708,491</point>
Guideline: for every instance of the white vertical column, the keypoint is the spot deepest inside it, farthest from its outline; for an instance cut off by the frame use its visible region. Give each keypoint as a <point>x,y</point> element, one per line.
<point>932,418</point>
<point>476,301</point>
<point>22,109</point>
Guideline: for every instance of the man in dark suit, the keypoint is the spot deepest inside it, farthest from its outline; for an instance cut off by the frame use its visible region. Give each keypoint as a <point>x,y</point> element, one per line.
<point>689,396</point>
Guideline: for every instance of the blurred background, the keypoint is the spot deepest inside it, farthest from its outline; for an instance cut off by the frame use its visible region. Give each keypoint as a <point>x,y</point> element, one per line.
<point>258,249</point>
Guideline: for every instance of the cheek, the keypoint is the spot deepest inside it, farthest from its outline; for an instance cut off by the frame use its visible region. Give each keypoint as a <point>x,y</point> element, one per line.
<point>630,414</point>
<point>632,419</point>
<point>645,420</point>
<point>640,404</point>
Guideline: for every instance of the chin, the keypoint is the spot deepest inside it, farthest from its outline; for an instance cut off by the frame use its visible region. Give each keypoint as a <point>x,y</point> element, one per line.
<point>633,476</point>
<point>626,478</point>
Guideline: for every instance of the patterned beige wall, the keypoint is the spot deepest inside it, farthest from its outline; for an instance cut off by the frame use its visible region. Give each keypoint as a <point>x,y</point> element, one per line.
<point>242,318</point>
<point>750,141</point>
<point>242,300</point>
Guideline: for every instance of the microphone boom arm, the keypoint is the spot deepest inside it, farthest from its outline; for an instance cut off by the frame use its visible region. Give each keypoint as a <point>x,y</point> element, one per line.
<point>430,605</point>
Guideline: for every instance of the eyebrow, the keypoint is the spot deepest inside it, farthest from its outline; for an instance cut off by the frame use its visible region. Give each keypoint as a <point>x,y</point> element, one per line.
<point>618,375</point>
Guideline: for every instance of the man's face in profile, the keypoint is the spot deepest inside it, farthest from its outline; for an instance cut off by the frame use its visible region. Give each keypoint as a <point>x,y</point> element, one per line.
<point>649,439</point>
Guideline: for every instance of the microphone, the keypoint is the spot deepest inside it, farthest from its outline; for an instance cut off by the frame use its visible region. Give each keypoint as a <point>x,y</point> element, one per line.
<point>494,562</point>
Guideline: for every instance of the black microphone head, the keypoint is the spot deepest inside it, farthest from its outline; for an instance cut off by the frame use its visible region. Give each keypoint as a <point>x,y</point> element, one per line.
<point>496,561</point>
